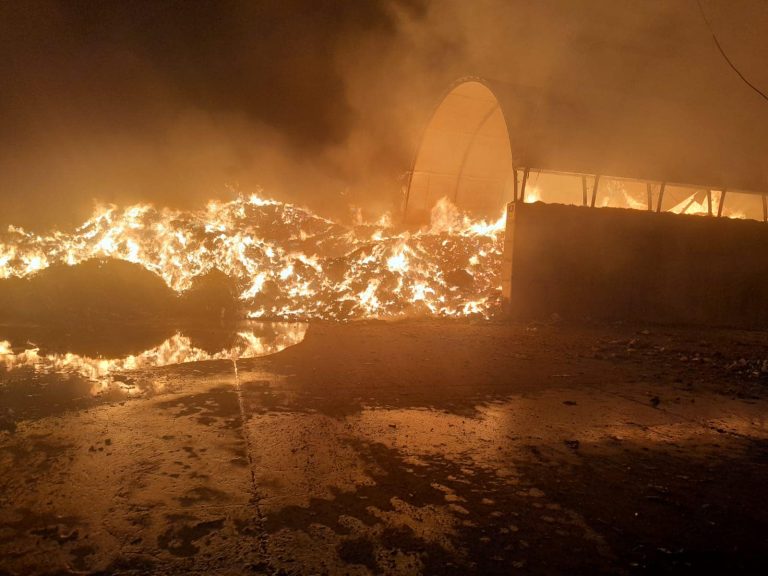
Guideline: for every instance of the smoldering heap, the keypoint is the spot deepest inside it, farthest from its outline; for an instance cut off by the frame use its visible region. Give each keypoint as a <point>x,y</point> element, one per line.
<point>254,257</point>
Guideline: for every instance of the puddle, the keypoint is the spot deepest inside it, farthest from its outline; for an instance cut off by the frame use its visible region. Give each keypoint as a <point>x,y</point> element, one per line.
<point>44,372</point>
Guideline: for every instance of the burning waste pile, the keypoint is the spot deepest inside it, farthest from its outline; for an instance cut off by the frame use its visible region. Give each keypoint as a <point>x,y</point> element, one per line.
<point>286,262</point>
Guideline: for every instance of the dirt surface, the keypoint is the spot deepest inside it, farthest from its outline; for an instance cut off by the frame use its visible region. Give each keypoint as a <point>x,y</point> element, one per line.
<point>401,448</point>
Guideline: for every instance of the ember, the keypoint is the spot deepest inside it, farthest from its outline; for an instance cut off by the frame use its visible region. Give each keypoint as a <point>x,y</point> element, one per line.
<point>288,262</point>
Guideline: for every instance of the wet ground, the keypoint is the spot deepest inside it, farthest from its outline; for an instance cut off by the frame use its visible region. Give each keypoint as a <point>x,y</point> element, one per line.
<point>394,448</point>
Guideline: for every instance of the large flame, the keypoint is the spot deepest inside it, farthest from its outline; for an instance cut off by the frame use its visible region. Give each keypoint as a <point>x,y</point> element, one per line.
<point>289,262</point>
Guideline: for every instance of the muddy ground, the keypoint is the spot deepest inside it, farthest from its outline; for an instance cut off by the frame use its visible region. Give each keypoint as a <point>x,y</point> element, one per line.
<point>401,448</point>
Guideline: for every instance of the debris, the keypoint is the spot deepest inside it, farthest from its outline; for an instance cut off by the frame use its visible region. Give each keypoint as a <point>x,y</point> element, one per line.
<point>7,422</point>
<point>555,318</point>
<point>655,401</point>
<point>572,444</point>
<point>460,278</point>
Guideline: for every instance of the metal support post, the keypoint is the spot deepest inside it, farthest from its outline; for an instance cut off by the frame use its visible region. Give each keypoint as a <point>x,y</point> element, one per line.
<point>594,190</point>
<point>583,190</point>
<point>765,208</point>
<point>709,202</point>
<point>661,196</point>
<point>522,188</point>
<point>649,192</point>
<point>514,173</point>
<point>721,203</point>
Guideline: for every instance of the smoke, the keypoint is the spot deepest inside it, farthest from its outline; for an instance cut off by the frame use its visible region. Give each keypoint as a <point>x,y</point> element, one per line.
<point>320,101</point>
<point>173,102</point>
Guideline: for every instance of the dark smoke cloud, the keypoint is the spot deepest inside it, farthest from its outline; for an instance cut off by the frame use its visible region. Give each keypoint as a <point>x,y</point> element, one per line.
<point>323,101</point>
<point>271,62</point>
<point>172,101</point>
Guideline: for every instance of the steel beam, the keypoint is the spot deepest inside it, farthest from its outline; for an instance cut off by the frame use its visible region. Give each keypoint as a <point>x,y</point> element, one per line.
<point>721,203</point>
<point>514,173</point>
<point>661,197</point>
<point>594,190</point>
<point>522,188</point>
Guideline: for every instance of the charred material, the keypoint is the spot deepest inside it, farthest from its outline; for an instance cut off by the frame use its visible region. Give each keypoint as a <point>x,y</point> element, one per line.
<point>107,291</point>
<point>96,291</point>
<point>213,295</point>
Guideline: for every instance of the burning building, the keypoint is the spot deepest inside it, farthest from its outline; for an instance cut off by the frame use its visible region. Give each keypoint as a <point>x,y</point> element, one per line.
<point>190,383</point>
<point>489,144</point>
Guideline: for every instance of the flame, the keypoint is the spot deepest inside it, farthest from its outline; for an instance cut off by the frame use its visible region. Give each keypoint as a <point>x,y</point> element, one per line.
<point>697,204</point>
<point>289,262</point>
<point>177,349</point>
<point>532,194</point>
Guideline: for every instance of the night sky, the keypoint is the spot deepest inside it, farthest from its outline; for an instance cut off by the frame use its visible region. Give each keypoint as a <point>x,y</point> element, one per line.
<point>322,102</point>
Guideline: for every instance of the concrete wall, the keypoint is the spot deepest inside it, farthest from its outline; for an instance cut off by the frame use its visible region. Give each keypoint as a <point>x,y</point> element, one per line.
<point>611,263</point>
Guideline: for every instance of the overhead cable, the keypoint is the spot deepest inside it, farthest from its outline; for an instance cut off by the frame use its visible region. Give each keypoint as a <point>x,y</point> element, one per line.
<point>725,56</point>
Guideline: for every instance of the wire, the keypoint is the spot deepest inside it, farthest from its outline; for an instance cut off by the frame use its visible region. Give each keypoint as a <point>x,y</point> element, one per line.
<point>725,56</point>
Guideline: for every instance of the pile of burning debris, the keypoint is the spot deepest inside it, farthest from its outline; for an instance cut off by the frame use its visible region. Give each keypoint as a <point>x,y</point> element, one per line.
<point>282,261</point>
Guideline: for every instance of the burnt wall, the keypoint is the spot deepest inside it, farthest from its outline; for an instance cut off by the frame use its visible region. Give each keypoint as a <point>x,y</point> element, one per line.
<point>611,263</point>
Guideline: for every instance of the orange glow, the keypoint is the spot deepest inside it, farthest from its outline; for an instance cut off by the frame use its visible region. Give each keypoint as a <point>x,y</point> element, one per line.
<point>288,262</point>
<point>697,204</point>
<point>177,349</point>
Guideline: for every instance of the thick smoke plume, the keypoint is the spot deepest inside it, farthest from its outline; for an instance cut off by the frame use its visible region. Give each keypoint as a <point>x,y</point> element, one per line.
<point>322,102</point>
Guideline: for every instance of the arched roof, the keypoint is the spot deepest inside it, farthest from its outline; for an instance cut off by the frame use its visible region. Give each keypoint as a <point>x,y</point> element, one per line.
<point>464,155</point>
<point>654,137</point>
<point>650,136</point>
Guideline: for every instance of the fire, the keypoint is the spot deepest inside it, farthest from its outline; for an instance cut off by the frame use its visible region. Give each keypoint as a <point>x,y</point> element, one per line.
<point>177,349</point>
<point>289,262</point>
<point>699,205</point>
<point>532,194</point>
<point>398,262</point>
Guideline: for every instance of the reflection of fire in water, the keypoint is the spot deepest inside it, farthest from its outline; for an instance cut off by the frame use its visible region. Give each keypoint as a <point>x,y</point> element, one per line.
<point>175,350</point>
<point>289,262</point>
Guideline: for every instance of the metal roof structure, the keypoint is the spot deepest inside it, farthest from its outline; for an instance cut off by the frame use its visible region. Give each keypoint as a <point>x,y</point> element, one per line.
<point>486,137</point>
